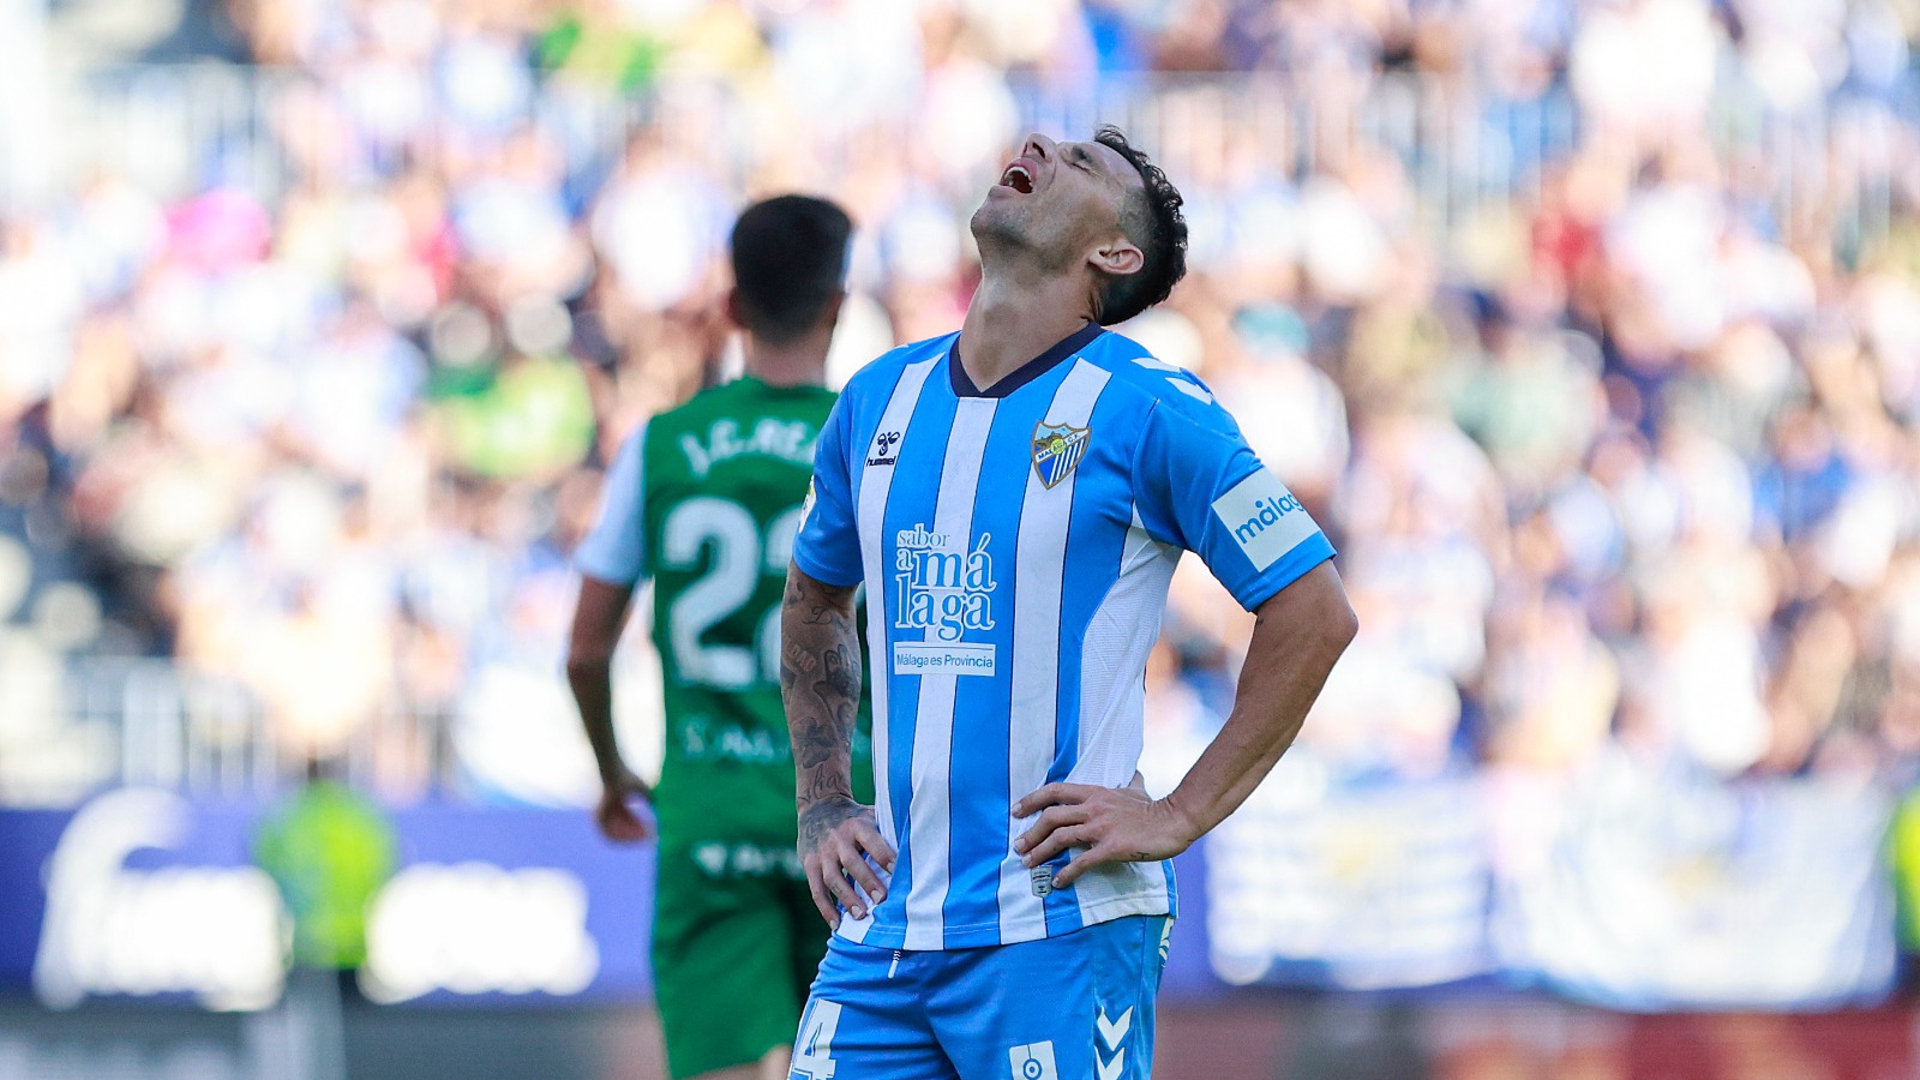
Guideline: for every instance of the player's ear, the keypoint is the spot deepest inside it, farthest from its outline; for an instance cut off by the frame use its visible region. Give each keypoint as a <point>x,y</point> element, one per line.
<point>830,315</point>
<point>734,314</point>
<point>1118,257</point>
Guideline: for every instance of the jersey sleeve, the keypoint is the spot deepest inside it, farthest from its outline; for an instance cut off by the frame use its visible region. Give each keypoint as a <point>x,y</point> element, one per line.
<point>1199,486</point>
<point>827,548</point>
<point>615,551</point>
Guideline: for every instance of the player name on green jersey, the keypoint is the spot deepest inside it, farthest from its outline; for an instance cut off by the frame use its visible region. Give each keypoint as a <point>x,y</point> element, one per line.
<point>788,440</point>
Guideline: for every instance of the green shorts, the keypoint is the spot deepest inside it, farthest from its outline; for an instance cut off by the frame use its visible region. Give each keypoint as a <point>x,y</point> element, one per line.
<point>736,943</point>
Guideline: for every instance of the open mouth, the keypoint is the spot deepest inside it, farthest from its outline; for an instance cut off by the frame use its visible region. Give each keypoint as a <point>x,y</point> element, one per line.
<point>1018,178</point>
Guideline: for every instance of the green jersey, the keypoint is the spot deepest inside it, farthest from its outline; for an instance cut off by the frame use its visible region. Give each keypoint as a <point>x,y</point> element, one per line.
<point>705,500</point>
<point>329,850</point>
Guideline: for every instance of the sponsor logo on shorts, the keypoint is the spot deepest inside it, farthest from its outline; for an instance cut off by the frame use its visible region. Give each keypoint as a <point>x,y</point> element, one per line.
<point>1033,1061</point>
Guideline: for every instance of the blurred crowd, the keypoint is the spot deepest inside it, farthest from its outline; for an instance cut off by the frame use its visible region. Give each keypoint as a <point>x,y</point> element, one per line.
<point>1590,330</point>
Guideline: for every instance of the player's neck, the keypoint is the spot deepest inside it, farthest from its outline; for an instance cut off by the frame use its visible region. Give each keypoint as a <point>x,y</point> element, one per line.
<point>1014,318</point>
<point>796,363</point>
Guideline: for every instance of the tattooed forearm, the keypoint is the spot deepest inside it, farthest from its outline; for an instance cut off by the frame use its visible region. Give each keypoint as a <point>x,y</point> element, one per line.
<point>820,686</point>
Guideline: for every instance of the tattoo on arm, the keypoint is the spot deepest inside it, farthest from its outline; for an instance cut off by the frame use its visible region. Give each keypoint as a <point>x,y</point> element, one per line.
<point>820,687</point>
<point>818,819</point>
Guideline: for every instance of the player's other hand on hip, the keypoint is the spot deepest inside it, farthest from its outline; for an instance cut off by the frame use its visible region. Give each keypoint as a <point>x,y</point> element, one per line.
<point>618,820</point>
<point>1112,824</point>
<point>840,846</point>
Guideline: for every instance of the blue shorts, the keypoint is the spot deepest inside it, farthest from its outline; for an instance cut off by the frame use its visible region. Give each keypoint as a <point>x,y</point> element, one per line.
<point>1065,1008</point>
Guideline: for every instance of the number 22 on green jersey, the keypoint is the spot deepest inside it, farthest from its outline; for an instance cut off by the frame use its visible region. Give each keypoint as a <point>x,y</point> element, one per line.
<point>741,553</point>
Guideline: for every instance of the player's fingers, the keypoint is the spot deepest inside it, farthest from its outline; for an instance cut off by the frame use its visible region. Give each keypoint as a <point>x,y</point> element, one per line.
<point>1083,862</point>
<point>822,901</point>
<point>636,825</point>
<point>854,864</point>
<point>1058,841</point>
<point>867,835</point>
<point>862,873</point>
<point>618,823</point>
<point>834,876</point>
<point>1053,817</point>
<point>1050,795</point>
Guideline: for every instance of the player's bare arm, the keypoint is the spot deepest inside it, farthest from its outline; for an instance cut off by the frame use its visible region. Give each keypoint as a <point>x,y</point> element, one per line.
<point>597,620</point>
<point>1298,634</point>
<point>820,687</point>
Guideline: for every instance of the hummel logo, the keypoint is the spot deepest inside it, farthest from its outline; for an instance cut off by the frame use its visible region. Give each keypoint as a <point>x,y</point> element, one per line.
<point>886,449</point>
<point>1111,1032</point>
<point>1042,878</point>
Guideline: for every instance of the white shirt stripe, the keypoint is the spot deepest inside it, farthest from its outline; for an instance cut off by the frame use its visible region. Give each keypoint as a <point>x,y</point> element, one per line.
<point>930,826</point>
<point>1112,712</point>
<point>876,484</point>
<point>1041,568</point>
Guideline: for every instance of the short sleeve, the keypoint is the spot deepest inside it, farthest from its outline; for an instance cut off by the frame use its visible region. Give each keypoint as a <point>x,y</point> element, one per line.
<point>1198,485</point>
<point>615,551</point>
<point>827,548</point>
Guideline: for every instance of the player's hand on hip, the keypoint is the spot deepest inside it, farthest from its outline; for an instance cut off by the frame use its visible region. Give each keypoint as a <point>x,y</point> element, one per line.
<point>1112,824</point>
<point>837,837</point>
<point>615,813</point>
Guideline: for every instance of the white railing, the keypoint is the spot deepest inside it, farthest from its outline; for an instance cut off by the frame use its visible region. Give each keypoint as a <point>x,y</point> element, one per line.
<point>150,723</point>
<point>171,127</point>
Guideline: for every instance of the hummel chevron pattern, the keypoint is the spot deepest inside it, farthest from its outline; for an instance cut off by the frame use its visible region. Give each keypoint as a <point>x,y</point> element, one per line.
<point>1111,1032</point>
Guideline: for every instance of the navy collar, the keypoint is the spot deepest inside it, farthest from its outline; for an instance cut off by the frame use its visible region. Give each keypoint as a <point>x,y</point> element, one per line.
<point>1027,372</point>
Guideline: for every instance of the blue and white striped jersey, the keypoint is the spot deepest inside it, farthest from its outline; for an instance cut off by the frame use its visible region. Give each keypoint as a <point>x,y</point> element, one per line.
<point>1016,546</point>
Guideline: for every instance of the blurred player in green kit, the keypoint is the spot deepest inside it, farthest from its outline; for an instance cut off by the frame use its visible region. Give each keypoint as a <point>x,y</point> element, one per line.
<point>704,500</point>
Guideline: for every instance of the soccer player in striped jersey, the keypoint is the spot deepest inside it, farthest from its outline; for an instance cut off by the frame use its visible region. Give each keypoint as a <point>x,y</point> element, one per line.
<point>704,500</point>
<point>1015,498</point>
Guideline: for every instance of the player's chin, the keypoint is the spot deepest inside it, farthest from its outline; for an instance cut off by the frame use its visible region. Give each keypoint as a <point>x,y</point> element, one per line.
<point>1002,216</point>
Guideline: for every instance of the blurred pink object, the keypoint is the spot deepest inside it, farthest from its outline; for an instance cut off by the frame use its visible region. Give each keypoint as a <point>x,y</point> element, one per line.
<point>219,230</point>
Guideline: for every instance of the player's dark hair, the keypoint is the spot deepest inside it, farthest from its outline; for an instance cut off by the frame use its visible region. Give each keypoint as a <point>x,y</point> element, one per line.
<point>789,262</point>
<point>1151,219</point>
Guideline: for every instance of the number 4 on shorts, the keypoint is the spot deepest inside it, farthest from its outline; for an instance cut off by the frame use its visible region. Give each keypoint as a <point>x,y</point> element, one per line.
<point>813,1051</point>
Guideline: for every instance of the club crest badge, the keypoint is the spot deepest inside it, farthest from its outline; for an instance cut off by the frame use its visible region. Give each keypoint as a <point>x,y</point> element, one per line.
<point>1057,448</point>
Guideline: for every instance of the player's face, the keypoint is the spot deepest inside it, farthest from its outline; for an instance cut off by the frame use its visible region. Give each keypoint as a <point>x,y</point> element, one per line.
<point>1061,200</point>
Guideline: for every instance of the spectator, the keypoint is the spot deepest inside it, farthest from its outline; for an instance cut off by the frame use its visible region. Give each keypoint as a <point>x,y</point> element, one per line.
<point>1613,415</point>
